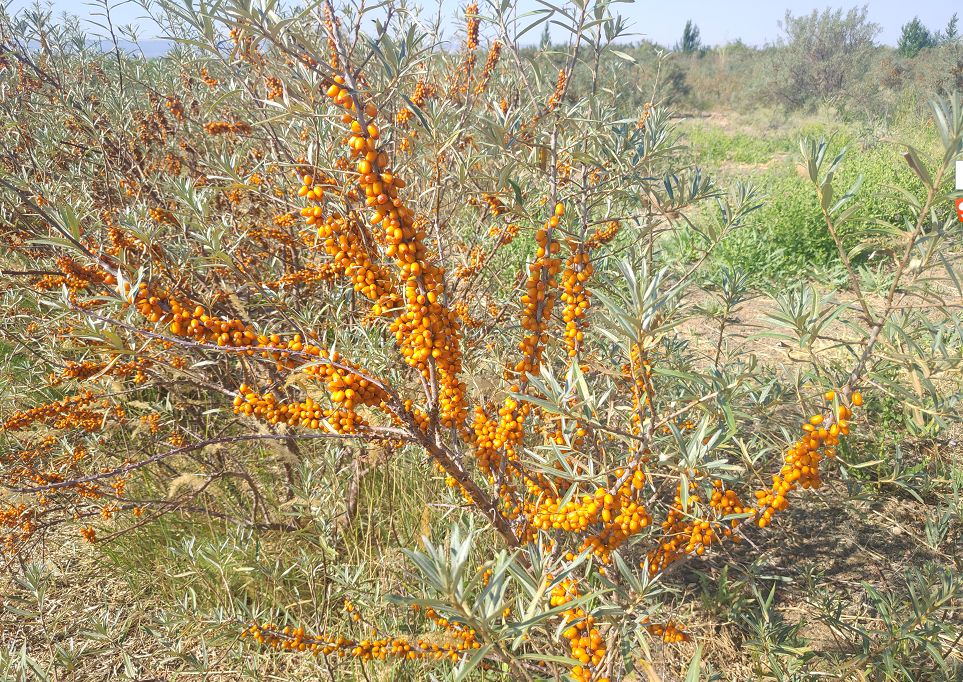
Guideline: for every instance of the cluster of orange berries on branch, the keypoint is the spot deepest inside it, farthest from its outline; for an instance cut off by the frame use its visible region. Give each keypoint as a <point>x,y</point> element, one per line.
<point>75,276</point>
<point>284,219</point>
<point>623,515</point>
<point>584,637</point>
<point>644,116</point>
<point>563,170</point>
<point>452,642</point>
<point>307,413</point>
<point>426,330</point>
<point>422,93</point>
<point>620,515</point>
<point>66,409</point>
<point>603,235</point>
<point>331,24</point>
<point>152,126</point>
<point>683,533</point>
<point>493,56</point>
<point>576,297</point>
<point>245,47</point>
<point>556,98</point>
<point>208,79</point>
<point>313,189</point>
<point>540,294</point>
<point>491,436</point>
<point>171,164</point>
<point>403,116</point>
<point>194,322</point>
<point>159,306</point>
<point>471,14</point>
<point>476,261</point>
<point>571,439</point>
<point>670,633</point>
<point>176,107</point>
<point>26,458</point>
<point>272,234</point>
<point>131,187</point>
<point>321,272</point>
<point>346,387</point>
<point>343,239</point>
<point>162,216</point>
<point>504,434</point>
<point>89,368</point>
<point>17,522</point>
<point>227,127</point>
<point>801,466</point>
<point>639,369</point>
<point>726,502</point>
<point>464,314</point>
<point>506,233</point>
<point>152,422</point>
<point>275,89</point>
<point>460,83</point>
<point>495,205</point>
<point>352,611</point>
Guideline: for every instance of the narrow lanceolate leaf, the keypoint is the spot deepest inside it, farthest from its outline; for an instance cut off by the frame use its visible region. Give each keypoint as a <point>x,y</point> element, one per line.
<point>916,165</point>
<point>464,670</point>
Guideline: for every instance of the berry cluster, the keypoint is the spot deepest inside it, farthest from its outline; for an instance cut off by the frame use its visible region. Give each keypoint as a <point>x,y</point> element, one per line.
<point>603,235</point>
<point>559,92</point>
<point>462,80</point>
<point>176,107</point>
<point>347,390</point>
<point>684,532</point>
<point>76,277</point>
<point>493,56</point>
<point>275,88</point>
<point>669,633</point>
<point>451,641</point>
<point>426,330</point>
<point>639,370</point>
<point>575,296</point>
<point>584,637</point>
<point>343,240</point>
<point>227,128</point>
<point>491,437</point>
<point>87,369</point>
<point>63,413</point>
<point>17,525</point>
<point>801,467</point>
<point>539,297</point>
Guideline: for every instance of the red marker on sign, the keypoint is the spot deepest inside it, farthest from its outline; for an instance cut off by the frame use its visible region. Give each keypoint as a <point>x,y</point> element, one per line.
<point>959,187</point>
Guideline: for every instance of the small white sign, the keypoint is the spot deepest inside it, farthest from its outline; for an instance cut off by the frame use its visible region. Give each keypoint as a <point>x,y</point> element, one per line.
<point>959,175</point>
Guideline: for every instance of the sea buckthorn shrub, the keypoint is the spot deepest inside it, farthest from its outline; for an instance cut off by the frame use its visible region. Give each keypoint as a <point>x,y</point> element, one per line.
<point>333,234</point>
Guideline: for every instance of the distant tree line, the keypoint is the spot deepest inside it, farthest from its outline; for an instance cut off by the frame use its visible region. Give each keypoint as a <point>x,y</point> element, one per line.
<point>915,37</point>
<point>819,57</point>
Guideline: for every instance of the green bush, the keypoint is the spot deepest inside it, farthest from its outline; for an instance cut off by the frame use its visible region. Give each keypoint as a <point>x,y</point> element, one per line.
<point>713,146</point>
<point>787,238</point>
<point>784,238</point>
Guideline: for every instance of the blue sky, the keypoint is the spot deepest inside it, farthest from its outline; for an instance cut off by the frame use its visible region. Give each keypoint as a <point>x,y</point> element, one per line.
<point>720,21</point>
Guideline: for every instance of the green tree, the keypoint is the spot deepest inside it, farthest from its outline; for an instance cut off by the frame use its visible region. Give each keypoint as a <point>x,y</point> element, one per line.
<point>690,42</point>
<point>951,33</point>
<point>821,54</point>
<point>914,38</point>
